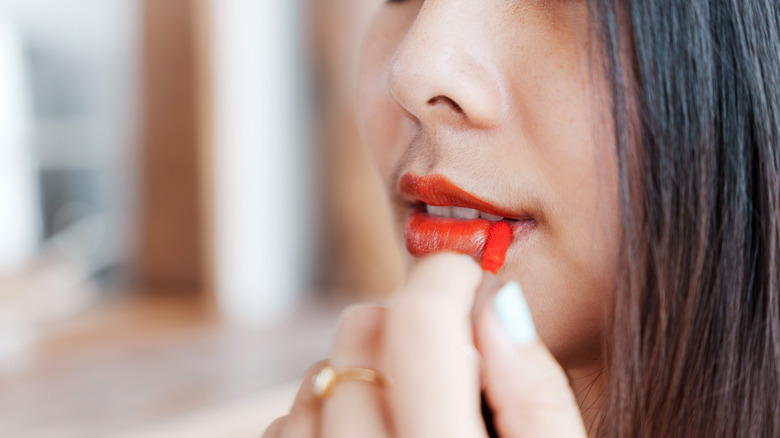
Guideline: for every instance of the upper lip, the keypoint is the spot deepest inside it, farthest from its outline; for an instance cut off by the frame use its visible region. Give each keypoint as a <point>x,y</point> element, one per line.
<point>437,189</point>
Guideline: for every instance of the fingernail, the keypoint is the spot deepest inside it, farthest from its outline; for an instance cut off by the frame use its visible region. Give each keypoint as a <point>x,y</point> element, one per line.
<point>513,314</point>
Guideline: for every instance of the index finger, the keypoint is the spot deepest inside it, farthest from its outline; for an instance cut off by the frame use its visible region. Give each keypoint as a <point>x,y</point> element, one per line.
<point>436,390</point>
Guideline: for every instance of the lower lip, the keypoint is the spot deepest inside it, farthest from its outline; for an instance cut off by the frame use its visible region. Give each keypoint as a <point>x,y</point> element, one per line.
<point>426,234</point>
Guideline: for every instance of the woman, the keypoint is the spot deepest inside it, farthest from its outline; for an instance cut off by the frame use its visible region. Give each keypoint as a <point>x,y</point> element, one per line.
<point>633,148</point>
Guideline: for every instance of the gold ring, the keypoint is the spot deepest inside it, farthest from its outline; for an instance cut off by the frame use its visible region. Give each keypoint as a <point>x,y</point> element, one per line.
<point>323,382</point>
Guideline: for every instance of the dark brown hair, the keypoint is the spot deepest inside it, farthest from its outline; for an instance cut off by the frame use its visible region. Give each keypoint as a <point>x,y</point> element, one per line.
<point>694,348</point>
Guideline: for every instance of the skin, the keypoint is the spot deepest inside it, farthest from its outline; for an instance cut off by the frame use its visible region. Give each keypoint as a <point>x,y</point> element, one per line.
<point>499,97</point>
<point>426,342</point>
<point>522,135</point>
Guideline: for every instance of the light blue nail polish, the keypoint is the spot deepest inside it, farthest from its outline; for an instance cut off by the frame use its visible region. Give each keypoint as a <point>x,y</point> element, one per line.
<point>513,314</point>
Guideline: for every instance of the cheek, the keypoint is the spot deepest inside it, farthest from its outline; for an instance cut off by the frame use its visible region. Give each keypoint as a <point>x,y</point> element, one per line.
<point>571,273</point>
<point>375,114</point>
<point>386,130</point>
<point>589,244</point>
<point>379,123</point>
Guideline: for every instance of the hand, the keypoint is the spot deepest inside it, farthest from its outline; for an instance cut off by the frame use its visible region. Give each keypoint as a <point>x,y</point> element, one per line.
<point>424,340</point>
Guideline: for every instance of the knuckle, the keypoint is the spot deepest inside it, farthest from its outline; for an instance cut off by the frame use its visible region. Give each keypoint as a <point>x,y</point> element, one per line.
<point>276,428</point>
<point>553,390</point>
<point>359,323</point>
<point>545,390</point>
<point>359,317</point>
<point>358,338</point>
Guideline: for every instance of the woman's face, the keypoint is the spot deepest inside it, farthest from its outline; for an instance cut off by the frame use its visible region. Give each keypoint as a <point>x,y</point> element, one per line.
<point>493,105</point>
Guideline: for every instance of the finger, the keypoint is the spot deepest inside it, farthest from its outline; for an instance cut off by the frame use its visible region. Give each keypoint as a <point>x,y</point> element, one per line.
<point>436,377</point>
<point>356,408</point>
<point>302,422</point>
<point>276,428</point>
<point>526,388</point>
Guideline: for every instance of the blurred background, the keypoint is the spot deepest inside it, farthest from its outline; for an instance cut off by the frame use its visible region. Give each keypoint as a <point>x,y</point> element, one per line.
<point>185,207</point>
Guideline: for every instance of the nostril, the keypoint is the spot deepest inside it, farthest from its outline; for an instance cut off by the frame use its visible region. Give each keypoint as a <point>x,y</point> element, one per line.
<point>444,100</point>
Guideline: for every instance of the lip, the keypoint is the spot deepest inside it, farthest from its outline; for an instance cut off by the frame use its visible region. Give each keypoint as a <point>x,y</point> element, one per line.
<point>439,190</point>
<point>426,234</point>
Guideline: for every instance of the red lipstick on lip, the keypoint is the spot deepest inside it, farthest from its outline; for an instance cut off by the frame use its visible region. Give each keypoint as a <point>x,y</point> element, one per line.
<point>439,190</point>
<point>427,234</point>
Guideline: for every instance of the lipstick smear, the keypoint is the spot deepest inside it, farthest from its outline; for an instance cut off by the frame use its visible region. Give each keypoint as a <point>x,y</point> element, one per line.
<point>499,237</point>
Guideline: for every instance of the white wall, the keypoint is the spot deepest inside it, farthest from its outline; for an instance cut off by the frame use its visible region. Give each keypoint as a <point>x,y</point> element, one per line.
<point>262,163</point>
<point>79,88</point>
<point>20,226</point>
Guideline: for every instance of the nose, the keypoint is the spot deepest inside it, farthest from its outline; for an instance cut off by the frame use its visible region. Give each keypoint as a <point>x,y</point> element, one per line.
<point>445,69</point>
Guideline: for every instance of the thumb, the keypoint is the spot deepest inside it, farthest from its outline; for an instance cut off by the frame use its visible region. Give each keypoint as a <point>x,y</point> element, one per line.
<point>526,389</point>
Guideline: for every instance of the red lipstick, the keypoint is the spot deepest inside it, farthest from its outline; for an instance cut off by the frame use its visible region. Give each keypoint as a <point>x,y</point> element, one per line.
<point>439,190</point>
<point>426,234</point>
<point>499,238</point>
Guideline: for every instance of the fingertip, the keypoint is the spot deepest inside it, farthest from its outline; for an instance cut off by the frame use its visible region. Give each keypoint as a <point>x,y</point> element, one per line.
<point>428,337</point>
<point>524,381</point>
<point>447,260</point>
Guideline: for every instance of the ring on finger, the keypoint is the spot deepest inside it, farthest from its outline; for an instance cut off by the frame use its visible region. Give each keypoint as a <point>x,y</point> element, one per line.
<point>324,381</point>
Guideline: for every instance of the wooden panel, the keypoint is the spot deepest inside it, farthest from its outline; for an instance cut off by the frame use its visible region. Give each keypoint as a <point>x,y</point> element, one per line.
<point>360,253</point>
<point>173,251</point>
